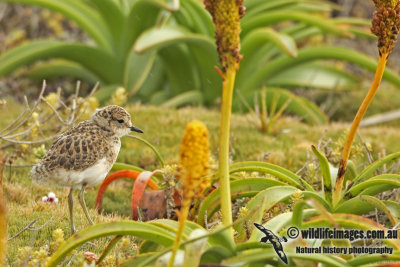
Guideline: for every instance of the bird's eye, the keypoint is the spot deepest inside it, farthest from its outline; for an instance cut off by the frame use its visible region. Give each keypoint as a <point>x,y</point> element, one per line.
<point>121,121</point>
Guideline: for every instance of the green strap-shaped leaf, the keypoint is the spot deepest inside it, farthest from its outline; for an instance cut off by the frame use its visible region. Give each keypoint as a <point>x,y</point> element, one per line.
<point>375,260</point>
<point>79,12</point>
<point>367,172</point>
<point>351,221</point>
<point>310,54</point>
<point>266,200</point>
<point>315,75</point>
<point>142,258</point>
<point>156,38</point>
<point>363,204</point>
<point>260,36</point>
<point>137,70</point>
<point>374,185</point>
<point>143,14</point>
<point>97,60</point>
<point>189,97</point>
<point>201,19</point>
<point>326,174</point>
<point>318,205</point>
<point>138,229</point>
<point>394,208</point>
<point>114,18</point>
<point>275,170</point>
<point>282,221</point>
<point>182,73</point>
<point>154,82</point>
<point>264,6</point>
<point>239,188</point>
<point>61,68</point>
<point>273,17</point>
<point>269,256</point>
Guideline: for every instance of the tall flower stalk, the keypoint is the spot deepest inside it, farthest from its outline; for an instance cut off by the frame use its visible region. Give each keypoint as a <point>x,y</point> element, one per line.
<point>226,16</point>
<point>193,170</point>
<point>385,25</point>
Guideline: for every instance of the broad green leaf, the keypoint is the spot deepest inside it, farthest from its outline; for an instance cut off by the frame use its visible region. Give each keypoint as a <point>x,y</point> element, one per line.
<point>79,12</point>
<point>374,185</point>
<point>114,18</point>
<point>314,75</point>
<point>367,172</point>
<point>201,19</point>
<point>260,36</point>
<point>375,259</point>
<point>138,229</point>
<point>138,260</point>
<point>160,97</point>
<point>264,256</point>
<point>190,97</point>
<point>61,68</point>
<point>156,38</point>
<point>351,172</point>
<point>283,221</point>
<point>351,221</point>
<point>394,208</point>
<point>148,246</point>
<point>154,82</point>
<point>215,255</point>
<point>277,171</point>
<point>181,71</point>
<point>326,174</point>
<point>267,6</point>
<point>137,70</point>
<point>239,188</point>
<point>317,197</point>
<point>318,204</point>
<point>363,204</point>
<point>142,15</point>
<point>273,17</point>
<point>310,54</point>
<point>96,60</point>
<point>266,200</point>
<point>206,58</point>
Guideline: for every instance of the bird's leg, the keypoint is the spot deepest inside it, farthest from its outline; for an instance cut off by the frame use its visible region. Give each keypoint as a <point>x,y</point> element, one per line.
<point>83,204</point>
<point>71,207</point>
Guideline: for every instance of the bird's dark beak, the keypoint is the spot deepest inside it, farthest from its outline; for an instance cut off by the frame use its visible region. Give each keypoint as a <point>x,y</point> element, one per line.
<point>133,128</point>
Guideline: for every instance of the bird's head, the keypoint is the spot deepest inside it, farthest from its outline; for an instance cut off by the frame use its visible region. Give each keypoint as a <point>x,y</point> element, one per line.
<point>115,119</point>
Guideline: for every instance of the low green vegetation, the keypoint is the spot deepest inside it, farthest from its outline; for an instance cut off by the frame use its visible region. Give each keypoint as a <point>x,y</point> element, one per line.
<point>289,148</point>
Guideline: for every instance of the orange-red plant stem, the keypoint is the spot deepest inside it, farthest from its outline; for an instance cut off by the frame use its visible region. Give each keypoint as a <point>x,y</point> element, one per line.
<point>114,176</point>
<point>354,127</point>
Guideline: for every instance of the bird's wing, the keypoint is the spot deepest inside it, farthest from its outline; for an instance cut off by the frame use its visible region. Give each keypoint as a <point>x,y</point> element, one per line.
<point>76,149</point>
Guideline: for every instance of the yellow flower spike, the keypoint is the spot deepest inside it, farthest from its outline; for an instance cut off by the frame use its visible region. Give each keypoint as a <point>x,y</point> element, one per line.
<point>386,24</point>
<point>226,16</point>
<point>193,169</point>
<point>194,157</point>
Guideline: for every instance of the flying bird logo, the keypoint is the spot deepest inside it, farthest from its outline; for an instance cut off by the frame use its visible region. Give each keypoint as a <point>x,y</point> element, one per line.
<point>275,241</point>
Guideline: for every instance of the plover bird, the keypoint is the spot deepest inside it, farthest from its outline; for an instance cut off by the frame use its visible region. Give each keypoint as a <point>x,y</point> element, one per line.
<point>83,155</point>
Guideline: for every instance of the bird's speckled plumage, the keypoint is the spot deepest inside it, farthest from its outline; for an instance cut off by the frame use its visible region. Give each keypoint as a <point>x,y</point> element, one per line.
<point>84,154</point>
